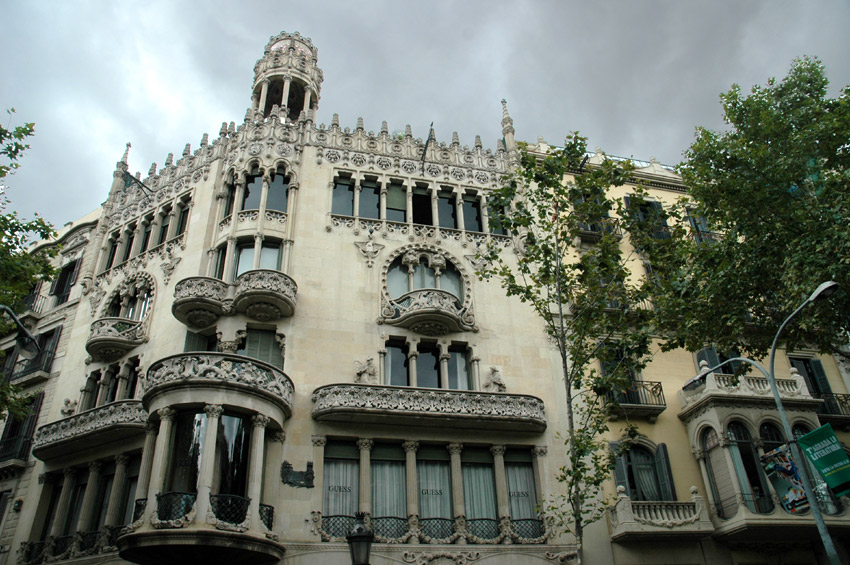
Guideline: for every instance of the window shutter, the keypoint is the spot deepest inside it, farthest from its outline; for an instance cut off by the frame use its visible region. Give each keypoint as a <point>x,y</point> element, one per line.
<point>9,366</point>
<point>709,355</point>
<point>665,475</point>
<point>800,365</point>
<point>820,377</point>
<point>620,473</point>
<point>53,284</point>
<point>50,349</point>
<point>76,271</point>
<point>195,342</point>
<point>29,425</point>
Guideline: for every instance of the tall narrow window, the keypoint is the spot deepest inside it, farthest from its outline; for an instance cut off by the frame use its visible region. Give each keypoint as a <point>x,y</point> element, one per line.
<point>446,209</point>
<point>396,203</point>
<point>389,490</point>
<point>270,255</point>
<point>422,213</point>
<point>163,227</point>
<point>398,281</point>
<point>146,236</point>
<point>450,280</point>
<point>343,197</point>
<point>110,254</point>
<point>220,260</point>
<point>479,492</point>
<point>651,213</point>
<point>428,366</point>
<point>253,191</point>
<point>183,218</point>
<point>370,199</point>
<point>749,471</point>
<point>199,342</point>
<point>424,277</point>
<point>244,257</point>
<point>131,238</point>
<point>522,494</point>
<point>262,345</point>
<point>396,364</point>
<point>433,471</point>
<point>61,287</point>
<point>340,498</point>
<point>278,192</point>
<point>185,463</point>
<point>129,496</point>
<point>714,358</point>
<point>645,475</point>
<point>230,197</point>
<point>233,438</point>
<point>472,213</point>
<point>459,375</point>
<point>719,475</point>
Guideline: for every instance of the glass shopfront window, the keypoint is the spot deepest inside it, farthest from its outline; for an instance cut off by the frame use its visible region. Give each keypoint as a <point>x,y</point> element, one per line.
<point>433,470</point>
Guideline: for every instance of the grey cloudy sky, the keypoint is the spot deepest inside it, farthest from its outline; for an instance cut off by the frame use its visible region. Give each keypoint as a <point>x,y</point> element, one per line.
<point>634,76</point>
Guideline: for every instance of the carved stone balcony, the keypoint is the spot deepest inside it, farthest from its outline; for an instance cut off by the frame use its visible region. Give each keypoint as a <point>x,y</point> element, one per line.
<point>121,421</point>
<point>110,338</point>
<point>633,520</point>
<point>429,311</point>
<point>715,389</point>
<point>395,405</point>
<point>262,294</point>
<point>206,375</point>
<point>265,295</point>
<point>199,301</point>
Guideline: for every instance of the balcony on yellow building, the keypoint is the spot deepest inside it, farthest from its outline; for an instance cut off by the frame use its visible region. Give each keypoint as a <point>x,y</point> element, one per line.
<point>633,520</point>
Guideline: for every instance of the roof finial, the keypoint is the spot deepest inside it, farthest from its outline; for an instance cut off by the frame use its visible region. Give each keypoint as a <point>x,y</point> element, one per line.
<point>126,153</point>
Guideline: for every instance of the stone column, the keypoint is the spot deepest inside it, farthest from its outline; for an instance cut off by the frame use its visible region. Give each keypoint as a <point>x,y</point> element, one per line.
<point>538,452</point>
<point>382,203</point>
<point>255,100</point>
<point>476,372</point>
<point>122,246</point>
<point>319,443</point>
<point>412,356</point>
<point>123,380</point>
<point>502,498</point>
<point>410,448</point>
<point>485,219</point>
<point>274,455</point>
<point>160,458</point>
<point>237,201</point>
<point>459,209</point>
<point>730,464</point>
<point>258,248</point>
<point>264,92</point>
<point>207,466</point>
<point>382,366</point>
<point>255,469</point>
<point>103,388</point>
<point>137,238</point>
<point>284,99</point>
<point>68,482</point>
<point>307,95</point>
<point>435,210</point>
<point>365,446</point>
<point>409,212</point>
<point>117,492</point>
<point>712,502</point>
<point>89,495</point>
<point>211,261</point>
<point>444,365</point>
<point>227,275</point>
<point>457,483</point>
<point>172,224</point>
<point>143,482</point>
<point>264,194</point>
<point>356,211</point>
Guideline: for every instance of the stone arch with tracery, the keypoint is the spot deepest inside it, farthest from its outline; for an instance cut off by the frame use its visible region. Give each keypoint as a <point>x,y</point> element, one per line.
<point>424,289</point>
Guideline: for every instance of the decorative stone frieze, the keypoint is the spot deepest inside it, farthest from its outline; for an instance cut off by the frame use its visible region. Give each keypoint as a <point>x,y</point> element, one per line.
<point>110,338</point>
<point>199,301</point>
<point>413,406</point>
<point>235,370</point>
<point>116,421</point>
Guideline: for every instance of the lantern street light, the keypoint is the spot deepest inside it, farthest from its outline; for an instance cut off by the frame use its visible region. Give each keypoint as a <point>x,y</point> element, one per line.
<point>824,290</point>
<point>360,541</point>
<point>27,344</point>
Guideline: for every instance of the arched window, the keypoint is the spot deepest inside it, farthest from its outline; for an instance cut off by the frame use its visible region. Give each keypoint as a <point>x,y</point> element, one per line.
<point>771,437</point>
<point>278,191</point>
<point>644,474</point>
<point>253,190</point>
<point>748,469</point>
<point>719,475</point>
<point>411,272</point>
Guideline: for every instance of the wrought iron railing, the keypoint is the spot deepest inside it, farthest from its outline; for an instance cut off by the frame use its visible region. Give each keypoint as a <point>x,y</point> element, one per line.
<point>484,528</point>
<point>174,505</point>
<point>88,540</point>
<point>139,508</point>
<point>229,508</point>
<point>338,526</point>
<point>528,528</point>
<point>758,503</point>
<point>643,393</point>
<point>391,527</point>
<point>834,404</point>
<point>437,528</point>
<point>34,552</point>
<point>62,545</point>
<point>267,515</point>
<point>41,362</point>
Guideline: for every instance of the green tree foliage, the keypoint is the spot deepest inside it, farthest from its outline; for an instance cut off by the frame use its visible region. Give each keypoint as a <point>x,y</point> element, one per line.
<point>20,269</point>
<point>593,311</point>
<point>773,191</point>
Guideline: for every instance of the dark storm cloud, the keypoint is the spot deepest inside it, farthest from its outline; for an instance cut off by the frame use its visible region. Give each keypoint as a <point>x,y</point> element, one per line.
<point>636,77</point>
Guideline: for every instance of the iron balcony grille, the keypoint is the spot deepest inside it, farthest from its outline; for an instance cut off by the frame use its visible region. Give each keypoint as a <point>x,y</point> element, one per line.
<point>390,527</point>
<point>338,526</point>
<point>229,508</point>
<point>484,528</point>
<point>641,393</point>
<point>62,545</point>
<point>529,528</point>
<point>34,553</point>
<point>267,515</point>
<point>834,404</point>
<point>88,540</point>
<point>437,528</point>
<point>41,362</point>
<point>174,505</point>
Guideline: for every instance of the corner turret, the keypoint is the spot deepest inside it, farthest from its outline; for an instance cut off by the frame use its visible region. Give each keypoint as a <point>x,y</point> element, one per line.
<point>287,76</point>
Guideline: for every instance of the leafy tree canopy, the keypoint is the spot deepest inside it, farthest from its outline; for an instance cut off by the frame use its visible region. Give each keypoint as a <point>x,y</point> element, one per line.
<point>766,221</point>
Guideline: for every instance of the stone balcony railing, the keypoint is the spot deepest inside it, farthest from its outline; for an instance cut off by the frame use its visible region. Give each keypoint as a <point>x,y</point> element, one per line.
<point>216,370</point>
<point>429,311</point>
<point>120,421</point>
<point>422,406</point>
<point>634,520</point>
<point>261,294</point>
<point>110,338</point>
<point>708,388</point>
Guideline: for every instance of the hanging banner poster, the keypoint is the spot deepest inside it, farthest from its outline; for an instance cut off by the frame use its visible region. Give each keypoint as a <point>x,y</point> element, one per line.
<point>824,450</point>
<point>782,473</point>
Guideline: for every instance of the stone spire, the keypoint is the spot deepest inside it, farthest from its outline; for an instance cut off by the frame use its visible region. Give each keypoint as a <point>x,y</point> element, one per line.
<point>508,132</point>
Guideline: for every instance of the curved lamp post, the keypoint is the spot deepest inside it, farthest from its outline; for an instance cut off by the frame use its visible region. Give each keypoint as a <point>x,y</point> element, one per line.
<point>824,290</point>
<point>27,344</point>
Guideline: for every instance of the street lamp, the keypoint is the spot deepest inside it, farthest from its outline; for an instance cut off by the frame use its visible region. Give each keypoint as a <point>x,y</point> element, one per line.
<point>360,541</point>
<point>824,290</point>
<point>27,344</point>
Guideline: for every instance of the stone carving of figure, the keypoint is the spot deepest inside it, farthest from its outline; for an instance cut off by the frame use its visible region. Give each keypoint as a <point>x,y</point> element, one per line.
<point>494,382</point>
<point>69,408</point>
<point>366,372</point>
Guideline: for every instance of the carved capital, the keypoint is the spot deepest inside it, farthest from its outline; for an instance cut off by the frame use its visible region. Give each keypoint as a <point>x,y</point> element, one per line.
<point>455,448</point>
<point>365,444</point>
<point>319,441</point>
<point>409,446</point>
<point>278,436</point>
<point>95,466</point>
<point>122,459</point>
<point>539,451</point>
<point>166,414</point>
<point>213,410</point>
<point>498,450</point>
<point>260,421</point>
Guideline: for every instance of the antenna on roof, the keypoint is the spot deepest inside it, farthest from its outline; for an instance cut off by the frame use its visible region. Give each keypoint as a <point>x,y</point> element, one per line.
<point>427,142</point>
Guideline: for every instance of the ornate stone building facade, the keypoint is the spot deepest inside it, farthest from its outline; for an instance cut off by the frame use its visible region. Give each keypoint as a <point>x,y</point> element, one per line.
<point>283,327</point>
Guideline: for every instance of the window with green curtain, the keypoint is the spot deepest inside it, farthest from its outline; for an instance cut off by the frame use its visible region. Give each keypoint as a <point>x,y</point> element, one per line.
<point>261,345</point>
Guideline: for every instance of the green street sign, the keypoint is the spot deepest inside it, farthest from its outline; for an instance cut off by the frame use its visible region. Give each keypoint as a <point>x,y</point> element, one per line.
<point>824,450</point>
